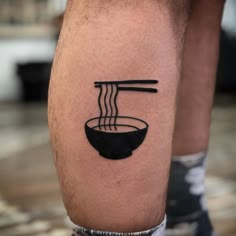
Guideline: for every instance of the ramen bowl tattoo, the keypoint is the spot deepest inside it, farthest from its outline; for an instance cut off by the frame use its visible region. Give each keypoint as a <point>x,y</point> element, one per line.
<point>113,136</point>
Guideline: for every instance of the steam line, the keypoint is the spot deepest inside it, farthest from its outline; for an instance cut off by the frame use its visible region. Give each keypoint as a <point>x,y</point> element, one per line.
<point>106,108</point>
<point>100,107</point>
<point>110,102</point>
<point>116,107</point>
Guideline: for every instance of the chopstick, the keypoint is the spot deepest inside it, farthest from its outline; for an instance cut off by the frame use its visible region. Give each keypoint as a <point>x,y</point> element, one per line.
<point>122,88</point>
<point>127,82</point>
<point>150,90</point>
<point>137,89</point>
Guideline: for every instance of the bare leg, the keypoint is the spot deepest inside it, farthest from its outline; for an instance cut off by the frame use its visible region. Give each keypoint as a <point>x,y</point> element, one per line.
<point>198,80</point>
<point>110,41</point>
<point>186,202</point>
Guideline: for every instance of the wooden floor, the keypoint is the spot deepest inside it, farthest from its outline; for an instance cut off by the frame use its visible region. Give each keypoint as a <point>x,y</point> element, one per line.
<point>30,202</point>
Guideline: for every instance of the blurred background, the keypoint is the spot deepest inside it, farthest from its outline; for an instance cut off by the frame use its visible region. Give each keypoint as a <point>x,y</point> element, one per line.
<point>30,202</point>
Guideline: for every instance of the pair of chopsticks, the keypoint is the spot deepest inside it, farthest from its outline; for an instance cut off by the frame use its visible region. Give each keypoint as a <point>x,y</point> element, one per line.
<point>128,82</point>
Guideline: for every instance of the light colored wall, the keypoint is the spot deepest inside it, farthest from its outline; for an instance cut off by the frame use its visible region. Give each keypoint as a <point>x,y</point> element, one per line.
<point>13,51</point>
<point>22,49</point>
<point>229,19</point>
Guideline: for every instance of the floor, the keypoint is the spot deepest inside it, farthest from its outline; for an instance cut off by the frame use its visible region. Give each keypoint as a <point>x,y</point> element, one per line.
<point>30,202</point>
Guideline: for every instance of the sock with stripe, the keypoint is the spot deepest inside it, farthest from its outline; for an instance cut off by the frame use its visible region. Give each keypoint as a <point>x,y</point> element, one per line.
<point>187,213</point>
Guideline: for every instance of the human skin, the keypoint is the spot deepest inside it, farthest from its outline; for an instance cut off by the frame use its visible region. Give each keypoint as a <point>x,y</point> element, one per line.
<point>108,40</point>
<point>196,89</point>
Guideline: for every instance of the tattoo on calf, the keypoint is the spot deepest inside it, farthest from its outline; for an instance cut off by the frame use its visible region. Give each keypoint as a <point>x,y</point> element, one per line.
<point>112,135</point>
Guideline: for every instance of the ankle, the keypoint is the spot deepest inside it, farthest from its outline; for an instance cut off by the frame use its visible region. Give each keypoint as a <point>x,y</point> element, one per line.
<point>186,203</point>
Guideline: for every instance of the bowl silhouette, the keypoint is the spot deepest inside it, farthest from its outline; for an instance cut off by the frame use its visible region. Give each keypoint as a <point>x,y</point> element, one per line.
<point>116,143</point>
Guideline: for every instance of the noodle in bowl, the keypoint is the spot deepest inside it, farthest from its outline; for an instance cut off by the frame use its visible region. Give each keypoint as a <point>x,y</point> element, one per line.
<point>115,137</point>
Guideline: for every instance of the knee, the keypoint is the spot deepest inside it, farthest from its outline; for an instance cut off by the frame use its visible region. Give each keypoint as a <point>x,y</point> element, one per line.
<point>93,8</point>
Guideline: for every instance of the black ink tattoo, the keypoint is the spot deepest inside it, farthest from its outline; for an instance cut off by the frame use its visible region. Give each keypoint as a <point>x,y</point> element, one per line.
<point>112,135</point>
